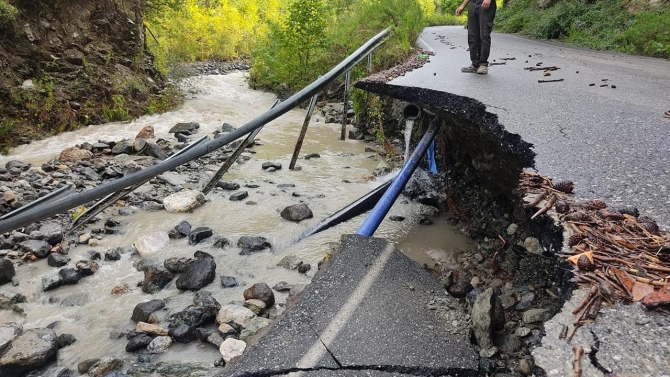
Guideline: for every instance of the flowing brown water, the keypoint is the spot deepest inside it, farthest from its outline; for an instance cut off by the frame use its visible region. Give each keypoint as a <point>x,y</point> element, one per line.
<point>321,184</point>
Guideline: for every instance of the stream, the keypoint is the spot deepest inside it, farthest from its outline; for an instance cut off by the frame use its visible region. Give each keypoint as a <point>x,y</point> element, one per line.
<point>343,173</point>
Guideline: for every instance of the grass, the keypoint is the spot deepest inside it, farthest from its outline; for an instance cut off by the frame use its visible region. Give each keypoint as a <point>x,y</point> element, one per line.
<point>603,25</point>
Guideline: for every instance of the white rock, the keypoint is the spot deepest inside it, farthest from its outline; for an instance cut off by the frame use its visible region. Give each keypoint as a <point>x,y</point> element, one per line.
<point>533,246</point>
<point>28,84</point>
<point>512,228</point>
<point>235,314</point>
<point>151,243</point>
<point>231,348</point>
<point>160,344</point>
<point>83,239</point>
<point>183,201</point>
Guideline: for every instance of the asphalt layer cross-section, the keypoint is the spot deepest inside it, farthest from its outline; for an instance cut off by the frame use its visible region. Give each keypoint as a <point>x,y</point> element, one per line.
<point>369,307</point>
<point>612,142</point>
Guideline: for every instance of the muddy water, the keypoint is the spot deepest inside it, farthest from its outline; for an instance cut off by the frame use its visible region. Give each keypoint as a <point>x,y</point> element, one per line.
<point>326,184</point>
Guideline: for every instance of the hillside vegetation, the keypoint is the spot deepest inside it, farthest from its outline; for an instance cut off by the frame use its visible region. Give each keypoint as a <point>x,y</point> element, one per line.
<point>634,26</point>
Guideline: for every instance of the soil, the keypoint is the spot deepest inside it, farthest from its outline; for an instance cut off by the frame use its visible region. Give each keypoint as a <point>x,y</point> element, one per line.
<point>65,64</point>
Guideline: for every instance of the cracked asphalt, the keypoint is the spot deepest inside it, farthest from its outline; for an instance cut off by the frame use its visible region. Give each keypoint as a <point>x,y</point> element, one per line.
<point>365,314</point>
<point>613,143</point>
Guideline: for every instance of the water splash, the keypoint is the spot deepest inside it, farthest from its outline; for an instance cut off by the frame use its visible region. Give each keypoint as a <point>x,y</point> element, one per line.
<point>409,126</point>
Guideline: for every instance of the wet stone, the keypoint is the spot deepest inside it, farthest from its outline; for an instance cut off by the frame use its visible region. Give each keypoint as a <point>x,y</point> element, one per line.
<point>297,212</point>
<point>65,340</point>
<point>253,244</point>
<point>239,196</point>
<point>221,242</point>
<point>138,342</point>
<point>7,271</point>
<point>304,268</point>
<point>70,276</point>
<point>112,255</point>
<point>57,260</point>
<point>87,267</point>
<point>177,264</point>
<point>396,218</point>
<point>156,278</point>
<point>460,285</point>
<point>535,315</point>
<point>182,333</point>
<point>51,281</point>
<point>198,274</point>
<point>85,365</point>
<point>425,221</point>
<point>66,372</point>
<point>282,286</point>
<point>183,228</point>
<point>39,248</point>
<point>105,366</point>
<point>526,301</point>
<point>260,291</point>
<point>29,351</point>
<point>229,282</point>
<point>198,235</point>
<point>159,344</point>
<point>143,310</point>
<point>228,186</point>
<point>271,165</point>
<point>8,332</point>
<point>312,155</point>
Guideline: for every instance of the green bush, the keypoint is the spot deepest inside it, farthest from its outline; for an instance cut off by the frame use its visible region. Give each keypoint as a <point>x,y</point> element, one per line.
<point>7,12</point>
<point>438,19</point>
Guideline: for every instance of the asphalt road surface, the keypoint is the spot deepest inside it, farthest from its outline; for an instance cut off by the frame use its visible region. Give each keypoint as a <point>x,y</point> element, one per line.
<point>612,142</point>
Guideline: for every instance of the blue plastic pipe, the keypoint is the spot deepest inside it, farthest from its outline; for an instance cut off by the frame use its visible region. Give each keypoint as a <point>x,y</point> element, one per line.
<point>432,165</point>
<point>384,204</point>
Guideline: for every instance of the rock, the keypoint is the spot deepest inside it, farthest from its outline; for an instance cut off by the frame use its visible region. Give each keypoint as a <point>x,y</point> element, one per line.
<point>184,228</point>
<point>74,154</point>
<point>252,244</point>
<point>304,268</point>
<point>154,150</point>
<point>282,286</point>
<point>182,333</point>
<point>94,255</point>
<point>533,246</point>
<point>255,305</point>
<point>290,262</point>
<point>66,372</point>
<point>29,351</point>
<point>232,348</point>
<point>198,274</point>
<point>121,289</point>
<point>151,243</point>
<point>312,155</point>
<point>177,264</point>
<point>522,332</point>
<point>460,285</point>
<point>396,218</point>
<point>123,147</point>
<point>508,344</point>
<point>83,239</point>
<point>526,301</point>
<point>221,242</point>
<point>536,315</point>
<point>112,255</point>
<point>256,325</point>
<point>227,329</point>
<point>204,299</point>
<point>228,186</point>
<point>184,201</point>
<point>229,282</point>
<point>148,328</point>
<point>146,133</point>
<point>9,196</point>
<point>40,249</point>
<point>160,344</point>
<point>296,290</point>
<point>138,342</point>
<point>226,127</point>
<point>239,196</point>
<point>260,291</point>
<point>199,234</point>
<point>425,221</point>
<point>512,228</point>
<point>525,368</point>
<point>139,145</point>
<point>658,298</point>
<point>77,299</point>
<point>482,318</point>
<point>235,314</point>
<point>17,164</point>
<point>85,365</point>
<point>185,128</point>
<point>65,340</point>
<point>297,213</point>
<point>8,332</point>
<point>105,366</point>
<point>56,260</point>
<point>156,278</point>
<point>51,281</point>
<point>53,233</point>
<point>268,165</point>
<point>192,316</point>
<point>87,267</point>
<point>7,271</point>
<point>143,310</point>
<point>216,338</point>
<point>70,276</point>
<point>383,168</point>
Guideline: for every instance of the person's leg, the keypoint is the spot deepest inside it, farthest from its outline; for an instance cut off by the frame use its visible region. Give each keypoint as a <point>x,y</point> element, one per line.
<point>474,39</point>
<point>486,18</point>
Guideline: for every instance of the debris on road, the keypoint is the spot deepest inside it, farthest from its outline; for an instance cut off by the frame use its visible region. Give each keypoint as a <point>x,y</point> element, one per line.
<point>545,81</point>
<point>508,58</point>
<point>504,63</point>
<point>546,69</point>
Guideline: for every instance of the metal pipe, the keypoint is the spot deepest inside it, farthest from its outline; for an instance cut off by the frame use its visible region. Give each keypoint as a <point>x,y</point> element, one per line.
<point>303,132</point>
<point>371,223</point>
<point>231,160</point>
<point>152,171</point>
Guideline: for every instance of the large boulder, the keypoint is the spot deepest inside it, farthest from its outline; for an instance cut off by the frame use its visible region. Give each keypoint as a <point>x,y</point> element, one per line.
<point>232,348</point>
<point>29,351</point>
<point>151,243</point>
<point>7,270</point>
<point>74,154</point>
<point>199,234</point>
<point>482,318</point>
<point>236,314</point>
<point>156,278</point>
<point>53,233</point>
<point>199,274</point>
<point>260,291</point>
<point>297,212</point>
<point>183,201</point>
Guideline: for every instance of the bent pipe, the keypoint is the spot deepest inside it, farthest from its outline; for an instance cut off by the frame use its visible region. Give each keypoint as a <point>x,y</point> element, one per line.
<point>361,205</point>
<point>82,198</point>
<point>371,223</point>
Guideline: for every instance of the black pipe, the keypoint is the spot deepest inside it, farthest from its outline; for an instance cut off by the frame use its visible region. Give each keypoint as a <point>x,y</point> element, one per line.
<point>361,205</point>
<point>73,201</point>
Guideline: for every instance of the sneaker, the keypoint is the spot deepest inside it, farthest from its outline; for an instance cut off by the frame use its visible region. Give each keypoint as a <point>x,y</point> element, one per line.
<point>469,69</point>
<point>482,70</point>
